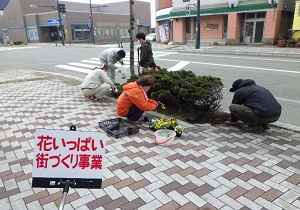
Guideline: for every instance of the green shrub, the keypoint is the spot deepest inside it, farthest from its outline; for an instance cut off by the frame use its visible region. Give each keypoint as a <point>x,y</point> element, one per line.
<point>185,90</point>
<point>18,43</point>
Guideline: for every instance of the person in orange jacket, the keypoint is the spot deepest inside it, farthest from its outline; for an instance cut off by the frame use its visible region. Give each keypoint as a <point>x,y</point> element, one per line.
<point>133,101</point>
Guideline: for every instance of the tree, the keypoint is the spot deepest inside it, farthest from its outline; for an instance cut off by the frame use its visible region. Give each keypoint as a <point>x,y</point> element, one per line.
<point>130,30</point>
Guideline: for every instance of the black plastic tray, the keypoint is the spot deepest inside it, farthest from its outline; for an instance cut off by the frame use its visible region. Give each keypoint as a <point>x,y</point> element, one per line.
<point>125,127</point>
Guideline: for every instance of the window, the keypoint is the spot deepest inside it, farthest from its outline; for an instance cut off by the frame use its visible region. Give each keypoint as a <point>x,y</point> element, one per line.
<point>32,34</point>
<point>188,25</point>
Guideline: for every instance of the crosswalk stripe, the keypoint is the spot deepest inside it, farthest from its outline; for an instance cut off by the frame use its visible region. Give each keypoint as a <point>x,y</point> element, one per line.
<point>82,65</point>
<point>90,61</point>
<point>72,68</point>
<point>86,65</point>
<point>179,66</point>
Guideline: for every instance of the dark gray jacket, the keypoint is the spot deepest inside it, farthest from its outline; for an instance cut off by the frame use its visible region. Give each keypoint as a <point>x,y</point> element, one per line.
<point>257,98</point>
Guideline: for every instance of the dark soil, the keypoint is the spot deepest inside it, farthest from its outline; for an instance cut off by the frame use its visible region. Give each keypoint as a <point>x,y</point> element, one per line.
<point>196,117</point>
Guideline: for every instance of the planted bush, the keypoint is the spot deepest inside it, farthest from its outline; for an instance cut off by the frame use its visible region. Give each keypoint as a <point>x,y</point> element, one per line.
<point>18,43</point>
<point>185,90</point>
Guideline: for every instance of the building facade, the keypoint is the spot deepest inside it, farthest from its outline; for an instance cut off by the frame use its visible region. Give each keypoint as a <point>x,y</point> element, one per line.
<point>35,21</point>
<point>229,21</point>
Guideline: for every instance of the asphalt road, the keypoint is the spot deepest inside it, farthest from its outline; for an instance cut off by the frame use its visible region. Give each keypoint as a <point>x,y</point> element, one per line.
<point>279,75</point>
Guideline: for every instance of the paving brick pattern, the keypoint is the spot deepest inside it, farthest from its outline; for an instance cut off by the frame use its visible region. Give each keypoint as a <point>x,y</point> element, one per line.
<point>209,167</point>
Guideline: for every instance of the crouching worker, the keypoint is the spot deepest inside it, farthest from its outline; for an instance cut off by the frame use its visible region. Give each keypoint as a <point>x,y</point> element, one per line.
<point>97,84</point>
<point>133,101</point>
<point>253,105</point>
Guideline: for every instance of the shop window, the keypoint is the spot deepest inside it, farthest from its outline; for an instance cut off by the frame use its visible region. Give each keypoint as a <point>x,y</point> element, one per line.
<point>81,32</point>
<point>188,25</point>
<point>32,34</point>
<point>250,15</point>
<point>260,15</point>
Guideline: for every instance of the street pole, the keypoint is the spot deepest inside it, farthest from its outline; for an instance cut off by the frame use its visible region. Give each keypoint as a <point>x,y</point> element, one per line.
<point>61,30</point>
<point>92,22</point>
<point>197,45</point>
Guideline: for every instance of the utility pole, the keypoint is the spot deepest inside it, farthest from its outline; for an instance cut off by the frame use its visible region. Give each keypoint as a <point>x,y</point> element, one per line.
<point>92,22</point>
<point>92,29</point>
<point>197,43</point>
<point>61,29</point>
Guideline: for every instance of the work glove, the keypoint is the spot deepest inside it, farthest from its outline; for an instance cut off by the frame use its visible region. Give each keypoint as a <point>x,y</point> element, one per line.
<point>159,104</point>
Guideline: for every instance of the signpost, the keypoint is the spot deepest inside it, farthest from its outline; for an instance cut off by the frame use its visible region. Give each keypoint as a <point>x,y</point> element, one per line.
<point>64,159</point>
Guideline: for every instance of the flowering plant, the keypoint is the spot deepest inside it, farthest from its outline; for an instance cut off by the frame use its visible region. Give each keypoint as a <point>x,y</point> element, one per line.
<point>162,123</point>
<point>178,129</point>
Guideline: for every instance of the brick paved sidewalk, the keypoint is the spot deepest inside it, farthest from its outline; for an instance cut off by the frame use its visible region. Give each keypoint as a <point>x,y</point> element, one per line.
<point>209,167</point>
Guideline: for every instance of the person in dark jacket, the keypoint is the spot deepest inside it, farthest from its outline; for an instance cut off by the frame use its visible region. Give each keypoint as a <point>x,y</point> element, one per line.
<point>253,104</point>
<point>146,55</point>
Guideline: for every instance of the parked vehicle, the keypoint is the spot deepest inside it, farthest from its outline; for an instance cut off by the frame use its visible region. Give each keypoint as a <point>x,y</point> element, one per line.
<point>151,37</point>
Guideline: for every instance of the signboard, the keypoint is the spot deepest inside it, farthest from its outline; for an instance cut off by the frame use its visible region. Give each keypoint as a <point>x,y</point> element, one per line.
<point>60,154</point>
<point>54,21</point>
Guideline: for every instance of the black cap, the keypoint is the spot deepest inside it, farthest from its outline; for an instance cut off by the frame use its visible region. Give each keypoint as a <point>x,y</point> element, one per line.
<point>235,84</point>
<point>121,53</point>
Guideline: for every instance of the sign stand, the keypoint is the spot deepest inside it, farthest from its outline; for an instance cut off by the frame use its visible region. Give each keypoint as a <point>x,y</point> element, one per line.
<point>66,183</point>
<point>65,192</point>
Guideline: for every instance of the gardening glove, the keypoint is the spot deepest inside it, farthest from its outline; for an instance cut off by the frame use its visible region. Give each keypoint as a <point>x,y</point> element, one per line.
<point>159,104</point>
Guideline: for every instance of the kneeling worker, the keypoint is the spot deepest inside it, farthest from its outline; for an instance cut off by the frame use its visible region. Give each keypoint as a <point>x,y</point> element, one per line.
<point>97,84</point>
<point>133,101</point>
<point>253,105</point>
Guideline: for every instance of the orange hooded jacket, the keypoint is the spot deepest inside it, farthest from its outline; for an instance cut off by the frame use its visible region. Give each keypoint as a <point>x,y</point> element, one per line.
<point>133,94</point>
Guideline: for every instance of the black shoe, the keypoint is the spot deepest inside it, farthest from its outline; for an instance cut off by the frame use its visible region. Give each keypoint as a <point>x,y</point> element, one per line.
<point>252,128</point>
<point>265,126</point>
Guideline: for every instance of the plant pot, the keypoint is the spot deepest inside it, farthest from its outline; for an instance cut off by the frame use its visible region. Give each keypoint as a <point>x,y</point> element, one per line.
<point>281,43</point>
<point>178,134</point>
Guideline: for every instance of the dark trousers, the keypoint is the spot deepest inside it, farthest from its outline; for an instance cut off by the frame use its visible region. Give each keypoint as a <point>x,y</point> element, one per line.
<point>134,113</point>
<point>246,115</point>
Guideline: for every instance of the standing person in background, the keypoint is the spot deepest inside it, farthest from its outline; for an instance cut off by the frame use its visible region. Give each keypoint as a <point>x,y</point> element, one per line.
<point>110,57</point>
<point>146,55</point>
<point>253,105</point>
<point>133,101</point>
<point>97,84</point>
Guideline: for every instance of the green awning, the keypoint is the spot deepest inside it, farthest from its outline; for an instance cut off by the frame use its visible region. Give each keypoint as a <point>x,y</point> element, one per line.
<point>253,5</point>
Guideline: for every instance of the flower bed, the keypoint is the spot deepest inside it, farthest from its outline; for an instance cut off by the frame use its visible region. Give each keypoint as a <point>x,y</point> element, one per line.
<point>162,123</point>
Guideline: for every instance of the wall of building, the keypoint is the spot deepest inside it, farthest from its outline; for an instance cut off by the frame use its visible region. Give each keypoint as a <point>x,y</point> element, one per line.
<point>233,31</point>
<point>23,21</point>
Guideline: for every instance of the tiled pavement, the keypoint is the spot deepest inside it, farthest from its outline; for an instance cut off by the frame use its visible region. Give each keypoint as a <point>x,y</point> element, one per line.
<point>209,167</point>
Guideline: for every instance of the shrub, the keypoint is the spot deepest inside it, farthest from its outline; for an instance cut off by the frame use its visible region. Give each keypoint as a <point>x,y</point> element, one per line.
<point>184,89</point>
<point>18,43</point>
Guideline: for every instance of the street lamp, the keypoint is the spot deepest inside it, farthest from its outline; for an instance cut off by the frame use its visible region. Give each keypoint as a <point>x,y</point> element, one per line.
<point>197,45</point>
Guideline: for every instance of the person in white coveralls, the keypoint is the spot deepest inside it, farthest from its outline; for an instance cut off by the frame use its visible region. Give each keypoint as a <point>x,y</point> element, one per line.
<point>110,57</point>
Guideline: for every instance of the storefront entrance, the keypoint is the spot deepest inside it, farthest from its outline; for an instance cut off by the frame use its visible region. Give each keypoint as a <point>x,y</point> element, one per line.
<point>252,28</point>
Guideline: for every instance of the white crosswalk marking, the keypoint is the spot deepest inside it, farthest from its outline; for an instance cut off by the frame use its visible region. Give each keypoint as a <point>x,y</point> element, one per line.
<point>86,65</point>
<point>179,66</point>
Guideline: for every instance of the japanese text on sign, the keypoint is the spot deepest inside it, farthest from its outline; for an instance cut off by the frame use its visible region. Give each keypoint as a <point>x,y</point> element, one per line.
<point>68,152</point>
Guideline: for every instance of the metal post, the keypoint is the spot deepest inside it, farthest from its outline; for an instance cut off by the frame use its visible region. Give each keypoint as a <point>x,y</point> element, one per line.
<point>92,22</point>
<point>197,45</point>
<point>60,27</point>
